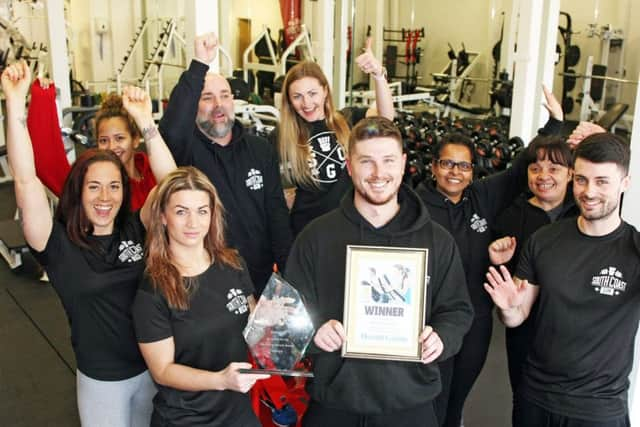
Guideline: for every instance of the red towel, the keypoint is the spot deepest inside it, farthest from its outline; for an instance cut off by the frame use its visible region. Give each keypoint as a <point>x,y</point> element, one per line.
<point>51,161</point>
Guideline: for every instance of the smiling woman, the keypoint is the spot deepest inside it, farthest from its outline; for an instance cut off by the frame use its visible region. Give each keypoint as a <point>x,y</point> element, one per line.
<point>549,174</point>
<point>102,195</point>
<point>191,308</point>
<point>468,210</point>
<point>116,130</point>
<point>92,251</point>
<point>312,136</point>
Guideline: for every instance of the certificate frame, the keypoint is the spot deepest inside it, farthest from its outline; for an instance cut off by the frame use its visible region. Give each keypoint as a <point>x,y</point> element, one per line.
<point>385,302</point>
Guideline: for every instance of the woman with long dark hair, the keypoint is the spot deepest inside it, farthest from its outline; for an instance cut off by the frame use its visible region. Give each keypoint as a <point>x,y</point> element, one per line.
<point>92,251</point>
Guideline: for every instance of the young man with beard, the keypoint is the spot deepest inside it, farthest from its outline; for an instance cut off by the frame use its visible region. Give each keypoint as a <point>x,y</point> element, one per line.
<point>200,129</point>
<point>379,211</point>
<point>585,275</point>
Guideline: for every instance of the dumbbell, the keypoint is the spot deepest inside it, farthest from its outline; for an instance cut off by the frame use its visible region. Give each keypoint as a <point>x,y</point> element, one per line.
<point>415,170</point>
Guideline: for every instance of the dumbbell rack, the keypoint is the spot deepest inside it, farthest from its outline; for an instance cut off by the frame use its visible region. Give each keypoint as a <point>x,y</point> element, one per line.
<point>134,44</point>
<point>157,53</point>
<point>168,34</point>
<point>422,132</point>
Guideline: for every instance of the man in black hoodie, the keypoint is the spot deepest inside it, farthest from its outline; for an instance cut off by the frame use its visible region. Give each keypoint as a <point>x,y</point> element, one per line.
<point>200,129</point>
<point>379,211</point>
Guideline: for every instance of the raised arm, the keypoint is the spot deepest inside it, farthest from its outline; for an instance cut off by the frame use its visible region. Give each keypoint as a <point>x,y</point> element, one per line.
<point>159,356</point>
<point>501,250</point>
<point>513,297</point>
<point>552,105</point>
<point>583,130</point>
<point>30,194</point>
<point>370,65</point>
<point>179,119</point>
<point>138,104</point>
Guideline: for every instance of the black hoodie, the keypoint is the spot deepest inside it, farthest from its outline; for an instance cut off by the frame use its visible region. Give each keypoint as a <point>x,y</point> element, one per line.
<point>245,172</point>
<point>317,268</point>
<point>471,221</point>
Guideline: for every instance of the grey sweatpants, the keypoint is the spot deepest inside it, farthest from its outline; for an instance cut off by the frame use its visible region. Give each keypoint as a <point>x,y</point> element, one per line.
<point>125,403</point>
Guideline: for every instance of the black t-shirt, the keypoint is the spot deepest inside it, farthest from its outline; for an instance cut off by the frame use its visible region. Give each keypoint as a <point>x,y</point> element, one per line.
<point>327,163</point>
<point>96,288</point>
<point>589,307</point>
<point>206,336</point>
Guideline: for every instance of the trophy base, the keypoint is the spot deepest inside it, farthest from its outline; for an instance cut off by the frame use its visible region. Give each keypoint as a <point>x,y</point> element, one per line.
<point>282,372</point>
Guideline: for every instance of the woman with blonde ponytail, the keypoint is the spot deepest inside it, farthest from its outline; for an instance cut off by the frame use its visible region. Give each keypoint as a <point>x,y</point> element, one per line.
<point>312,136</point>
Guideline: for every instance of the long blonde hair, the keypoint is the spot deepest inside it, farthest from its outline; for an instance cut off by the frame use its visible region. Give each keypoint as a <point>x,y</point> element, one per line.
<point>293,132</point>
<point>160,267</point>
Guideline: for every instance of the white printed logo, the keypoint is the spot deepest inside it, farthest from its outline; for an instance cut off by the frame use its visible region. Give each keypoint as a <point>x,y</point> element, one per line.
<point>326,159</point>
<point>609,282</point>
<point>254,180</point>
<point>238,303</point>
<point>129,251</point>
<point>478,224</point>
<point>325,143</point>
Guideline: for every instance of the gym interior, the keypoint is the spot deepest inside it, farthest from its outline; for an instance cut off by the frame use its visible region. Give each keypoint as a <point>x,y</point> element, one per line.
<point>475,66</point>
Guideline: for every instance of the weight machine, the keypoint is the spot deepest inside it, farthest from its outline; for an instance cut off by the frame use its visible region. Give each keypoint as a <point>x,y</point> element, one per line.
<point>411,57</point>
<point>168,36</point>
<point>594,80</point>
<point>273,64</point>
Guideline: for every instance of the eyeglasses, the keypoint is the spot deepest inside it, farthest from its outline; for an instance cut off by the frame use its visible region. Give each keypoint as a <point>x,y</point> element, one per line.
<point>450,164</point>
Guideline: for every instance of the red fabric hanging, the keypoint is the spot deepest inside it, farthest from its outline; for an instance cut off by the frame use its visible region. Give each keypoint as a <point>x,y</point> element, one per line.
<point>52,166</point>
<point>290,11</point>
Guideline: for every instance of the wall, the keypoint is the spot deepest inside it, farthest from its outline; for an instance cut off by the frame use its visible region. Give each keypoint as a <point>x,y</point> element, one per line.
<point>474,23</point>
<point>618,13</point>
<point>31,23</point>
<point>477,25</point>
<point>96,58</point>
<point>264,12</point>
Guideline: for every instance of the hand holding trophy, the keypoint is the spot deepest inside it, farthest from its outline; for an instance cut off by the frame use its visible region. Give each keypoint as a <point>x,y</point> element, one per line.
<point>279,330</point>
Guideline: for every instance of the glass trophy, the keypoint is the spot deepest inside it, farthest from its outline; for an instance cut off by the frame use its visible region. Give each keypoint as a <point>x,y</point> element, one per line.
<point>279,330</point>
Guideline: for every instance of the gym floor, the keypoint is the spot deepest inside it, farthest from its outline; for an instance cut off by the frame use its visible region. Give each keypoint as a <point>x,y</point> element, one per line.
<point>37,366</point>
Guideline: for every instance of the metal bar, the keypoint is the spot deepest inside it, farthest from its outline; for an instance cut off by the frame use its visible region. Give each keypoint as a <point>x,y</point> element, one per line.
<point>584,76</point>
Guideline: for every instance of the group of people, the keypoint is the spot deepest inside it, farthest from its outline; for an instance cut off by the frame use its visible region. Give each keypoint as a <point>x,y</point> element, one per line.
<point>158,281</point>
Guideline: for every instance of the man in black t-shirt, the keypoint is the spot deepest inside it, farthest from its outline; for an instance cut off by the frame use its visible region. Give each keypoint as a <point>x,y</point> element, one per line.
<point>585,274</point>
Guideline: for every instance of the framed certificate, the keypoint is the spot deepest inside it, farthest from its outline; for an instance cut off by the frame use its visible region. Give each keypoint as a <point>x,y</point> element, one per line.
<point>384,302</point>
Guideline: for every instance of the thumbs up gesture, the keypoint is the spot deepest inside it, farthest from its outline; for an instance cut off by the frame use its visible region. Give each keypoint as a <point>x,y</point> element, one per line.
<point>368,63</point>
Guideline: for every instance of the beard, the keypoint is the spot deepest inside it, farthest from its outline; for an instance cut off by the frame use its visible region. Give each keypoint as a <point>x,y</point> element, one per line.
<point>607,209</point>
<point>214,130</point>
<point>375,200</point>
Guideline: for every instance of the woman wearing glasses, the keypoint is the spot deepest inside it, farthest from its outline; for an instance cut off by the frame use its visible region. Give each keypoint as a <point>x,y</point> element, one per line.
<point>468,209</point>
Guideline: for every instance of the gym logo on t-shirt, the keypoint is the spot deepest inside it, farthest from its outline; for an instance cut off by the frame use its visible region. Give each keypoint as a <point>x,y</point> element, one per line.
<point>129,251</point>
<point>326,159</point>
<point>254,180</point>
<point>238,303</point>
<point>478,224</point>
<point>609,282</point>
